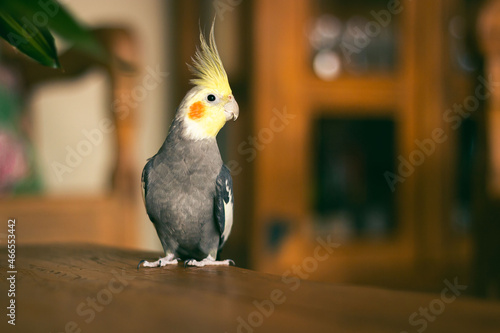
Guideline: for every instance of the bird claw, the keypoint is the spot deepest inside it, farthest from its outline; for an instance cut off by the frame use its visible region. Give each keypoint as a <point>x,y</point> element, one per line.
<point>208,261</point>
<point>139,264</point>
<point>168,260</point>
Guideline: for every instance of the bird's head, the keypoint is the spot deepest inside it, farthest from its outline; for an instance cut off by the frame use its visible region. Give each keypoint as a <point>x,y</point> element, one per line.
<point>210,103</point>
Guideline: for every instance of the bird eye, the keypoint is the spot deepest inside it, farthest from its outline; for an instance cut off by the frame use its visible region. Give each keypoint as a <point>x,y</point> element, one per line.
<point>211,98</point>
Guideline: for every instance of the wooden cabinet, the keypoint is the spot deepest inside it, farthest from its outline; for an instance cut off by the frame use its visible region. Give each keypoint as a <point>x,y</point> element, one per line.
<point>414,94</point>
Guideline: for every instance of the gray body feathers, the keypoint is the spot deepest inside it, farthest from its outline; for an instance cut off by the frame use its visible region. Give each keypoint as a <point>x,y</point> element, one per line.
<point>188,195</point>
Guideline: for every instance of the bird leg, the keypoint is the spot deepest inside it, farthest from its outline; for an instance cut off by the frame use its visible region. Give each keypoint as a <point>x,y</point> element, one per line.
<point>169,259</point>
<point>208,261</point>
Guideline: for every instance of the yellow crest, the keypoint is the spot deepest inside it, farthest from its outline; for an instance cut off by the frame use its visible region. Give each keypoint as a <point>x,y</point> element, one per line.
<point>207,65</point>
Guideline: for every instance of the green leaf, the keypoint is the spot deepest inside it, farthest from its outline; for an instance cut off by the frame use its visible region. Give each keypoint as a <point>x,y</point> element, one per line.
<point>36,42</point>
<point>49,14</point>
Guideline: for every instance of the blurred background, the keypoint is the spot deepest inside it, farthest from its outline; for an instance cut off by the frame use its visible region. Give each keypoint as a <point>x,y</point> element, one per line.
<point>369,125</point>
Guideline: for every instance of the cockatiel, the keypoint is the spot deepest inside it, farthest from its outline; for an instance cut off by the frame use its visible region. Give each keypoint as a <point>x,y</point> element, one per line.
<point>188,191</point>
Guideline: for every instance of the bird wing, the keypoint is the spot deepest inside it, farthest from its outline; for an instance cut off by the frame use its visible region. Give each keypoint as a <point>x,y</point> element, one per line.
<point>223,204</point>
<point>144,180</point>
<point>145,183</point>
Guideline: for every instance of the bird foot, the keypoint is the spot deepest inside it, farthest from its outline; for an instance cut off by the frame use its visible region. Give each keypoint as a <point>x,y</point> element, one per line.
<point>167,260</point>
<point>208,261</point>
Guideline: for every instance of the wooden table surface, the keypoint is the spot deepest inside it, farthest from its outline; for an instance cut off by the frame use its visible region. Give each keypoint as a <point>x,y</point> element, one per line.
<point>86,288</point>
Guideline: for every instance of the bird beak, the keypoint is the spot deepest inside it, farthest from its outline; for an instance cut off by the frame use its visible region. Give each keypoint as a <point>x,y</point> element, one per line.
<point>231,109</point>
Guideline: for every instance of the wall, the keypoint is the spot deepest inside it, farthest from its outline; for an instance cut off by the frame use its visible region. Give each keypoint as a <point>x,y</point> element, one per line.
<point>64,112</point>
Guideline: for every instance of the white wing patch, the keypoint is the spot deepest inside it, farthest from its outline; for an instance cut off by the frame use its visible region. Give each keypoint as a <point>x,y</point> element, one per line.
<point>228,212</point>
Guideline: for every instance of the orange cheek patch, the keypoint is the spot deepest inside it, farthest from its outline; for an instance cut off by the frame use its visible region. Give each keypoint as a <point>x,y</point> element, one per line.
<point>196,111</point>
